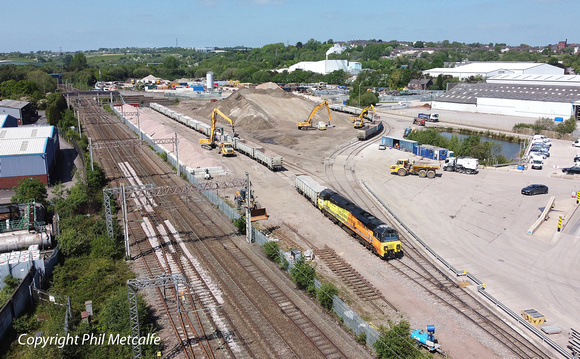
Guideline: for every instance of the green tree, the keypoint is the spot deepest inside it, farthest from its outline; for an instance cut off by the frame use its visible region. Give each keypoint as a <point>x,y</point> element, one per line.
<point>303,274</point>
<point>395,342</point>
<point>30,189</point>
<point>53,114</point>
<point>567,126</point>
<point>272,250</point>
<point>325,295</point>
<point>171,63</point>
<point>78,61</point>
<point>44,82</point>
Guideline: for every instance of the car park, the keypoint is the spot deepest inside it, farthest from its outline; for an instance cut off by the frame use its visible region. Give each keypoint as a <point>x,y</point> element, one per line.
<point>535,189</point>
<point>574,170</point>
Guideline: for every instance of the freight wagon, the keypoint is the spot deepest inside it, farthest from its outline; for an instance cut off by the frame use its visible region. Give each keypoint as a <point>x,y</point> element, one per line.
<point>376,235</point>
<point>369,130</point>
<point>259,154</point>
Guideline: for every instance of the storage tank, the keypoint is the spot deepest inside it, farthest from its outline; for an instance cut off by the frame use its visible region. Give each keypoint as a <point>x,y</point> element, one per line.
<point>209,85</point>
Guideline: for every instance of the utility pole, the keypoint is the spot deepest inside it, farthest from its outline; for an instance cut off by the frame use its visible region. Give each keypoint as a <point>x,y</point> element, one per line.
<point>248,210</point>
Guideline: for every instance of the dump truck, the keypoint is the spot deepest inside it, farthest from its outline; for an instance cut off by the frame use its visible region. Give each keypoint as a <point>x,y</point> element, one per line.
<point>226,148</point>
<point>432,117</point>
<point>404,167</point>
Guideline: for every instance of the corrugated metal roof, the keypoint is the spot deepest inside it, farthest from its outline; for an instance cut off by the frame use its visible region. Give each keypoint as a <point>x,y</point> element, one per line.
<point>469,93</point>
<point>13,103</point>
<point>23,146</point>
<point>27,132</point>
<point>523,78</point>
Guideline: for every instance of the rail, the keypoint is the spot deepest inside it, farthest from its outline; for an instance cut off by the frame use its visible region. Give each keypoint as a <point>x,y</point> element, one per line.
<point>543,217</point>
<point>480,286</point>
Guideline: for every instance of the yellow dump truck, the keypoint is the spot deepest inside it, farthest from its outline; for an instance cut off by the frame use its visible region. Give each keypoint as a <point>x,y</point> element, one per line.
<point>405,167</point>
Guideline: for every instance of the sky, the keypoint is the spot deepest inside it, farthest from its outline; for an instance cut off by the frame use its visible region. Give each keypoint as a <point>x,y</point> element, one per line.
<point>80,25</point>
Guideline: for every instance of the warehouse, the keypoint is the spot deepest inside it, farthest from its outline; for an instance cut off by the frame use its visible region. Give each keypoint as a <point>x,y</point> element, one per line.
<point>490,69</point>
<point>27,152</point>
<point>22,110</point>
<point>8,121</point>
<point>326,66</point>
<point>512,100</point>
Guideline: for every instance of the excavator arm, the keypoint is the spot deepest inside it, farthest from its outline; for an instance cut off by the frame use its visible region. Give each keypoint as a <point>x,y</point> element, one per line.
<point>211,140</point>
<point>309,122</point>
<point>358,120</point>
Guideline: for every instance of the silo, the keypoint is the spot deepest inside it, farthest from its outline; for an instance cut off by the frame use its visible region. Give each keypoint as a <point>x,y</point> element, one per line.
<point>209,81</point>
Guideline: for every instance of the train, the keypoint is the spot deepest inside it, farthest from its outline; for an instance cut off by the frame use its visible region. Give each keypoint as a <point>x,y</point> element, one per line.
<point>369,130</point>
<point>259,154</point>
<point>376,235</point>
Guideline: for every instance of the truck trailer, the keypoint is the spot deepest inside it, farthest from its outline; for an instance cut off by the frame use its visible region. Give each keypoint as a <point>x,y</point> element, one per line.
<point>431,117</point>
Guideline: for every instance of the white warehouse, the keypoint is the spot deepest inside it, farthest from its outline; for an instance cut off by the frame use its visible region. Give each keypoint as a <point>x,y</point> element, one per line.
<point>490,69</point>
<point>525,100</point>
<point>326,66</point>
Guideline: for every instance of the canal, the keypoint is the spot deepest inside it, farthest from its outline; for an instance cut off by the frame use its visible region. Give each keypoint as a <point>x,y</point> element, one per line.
<point>509,150</point>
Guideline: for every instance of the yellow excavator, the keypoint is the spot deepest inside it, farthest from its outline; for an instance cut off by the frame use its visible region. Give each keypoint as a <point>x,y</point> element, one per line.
<point>321,125</point>
<point>359,120</point>
<point>226,148</point>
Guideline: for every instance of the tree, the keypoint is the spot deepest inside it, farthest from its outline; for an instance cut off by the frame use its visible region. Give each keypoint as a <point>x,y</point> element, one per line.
<point>53,114</point>
<point>78,61</point>
<point>325,295</point>
<point>303,275</point>
<point>272,250</point>
<point>30,189</point>
<point>171,63</point>
<point>396,342</point>
<point>44,82</point>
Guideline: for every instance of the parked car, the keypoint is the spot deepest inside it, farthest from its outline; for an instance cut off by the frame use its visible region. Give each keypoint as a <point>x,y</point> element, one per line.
<point>577,158</point>
<point>574,170</point>
<point>540,149</point>
<point>576,143</point>
<point>537,164</point>
<point>542,154</point>
<point>535,189</point>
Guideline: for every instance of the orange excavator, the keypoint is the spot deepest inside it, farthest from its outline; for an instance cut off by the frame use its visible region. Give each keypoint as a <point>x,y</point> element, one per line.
<point>321,125</point>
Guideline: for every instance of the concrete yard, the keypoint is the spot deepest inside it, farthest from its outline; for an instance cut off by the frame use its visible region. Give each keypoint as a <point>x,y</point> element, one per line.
<point>477,222</point>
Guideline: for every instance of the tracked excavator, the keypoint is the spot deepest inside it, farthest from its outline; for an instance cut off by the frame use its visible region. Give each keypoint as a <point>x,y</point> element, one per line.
<point>359,120</point>
<point>321,125</point>
<point>226,148</point>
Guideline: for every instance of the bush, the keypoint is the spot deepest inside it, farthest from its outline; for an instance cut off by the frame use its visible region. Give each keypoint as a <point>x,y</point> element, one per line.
<point>303,275</point>
<point>240,224</point>
<point>272,250</point>
<point>325,295</point>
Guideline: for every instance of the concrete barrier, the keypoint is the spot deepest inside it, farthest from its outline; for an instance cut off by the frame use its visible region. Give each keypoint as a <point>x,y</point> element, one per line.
<point>543,217</point>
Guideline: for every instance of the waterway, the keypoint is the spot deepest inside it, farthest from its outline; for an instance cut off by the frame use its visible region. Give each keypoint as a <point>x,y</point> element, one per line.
<point>509,150</point>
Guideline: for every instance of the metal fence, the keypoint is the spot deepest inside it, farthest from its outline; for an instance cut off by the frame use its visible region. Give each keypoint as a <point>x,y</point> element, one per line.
<point>352,320</point>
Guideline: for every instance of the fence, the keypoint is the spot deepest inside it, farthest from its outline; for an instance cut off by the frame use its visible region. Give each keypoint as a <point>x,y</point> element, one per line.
<point>352,320</point>
<point>23,294</point>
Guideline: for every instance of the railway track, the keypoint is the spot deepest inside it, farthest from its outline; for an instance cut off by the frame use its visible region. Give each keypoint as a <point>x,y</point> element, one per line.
<point>248,323</point>
<point>417,267</point>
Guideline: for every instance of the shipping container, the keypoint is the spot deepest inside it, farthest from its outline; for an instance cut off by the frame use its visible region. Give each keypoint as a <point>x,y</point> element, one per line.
<point>397,143</point>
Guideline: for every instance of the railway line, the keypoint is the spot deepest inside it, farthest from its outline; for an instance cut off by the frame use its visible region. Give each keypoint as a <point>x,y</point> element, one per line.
<point>235,309</point>
<point>417,267</point>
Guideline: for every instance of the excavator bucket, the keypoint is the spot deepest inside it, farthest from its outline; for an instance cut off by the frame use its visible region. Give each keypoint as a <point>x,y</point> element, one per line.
<point>258,214</point>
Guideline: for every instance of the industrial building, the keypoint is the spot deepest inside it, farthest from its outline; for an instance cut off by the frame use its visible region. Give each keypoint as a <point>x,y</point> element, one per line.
<point>27,152</point>
<point>491,69</point>
<point>22,110</point>
<point>326,66</point>
<point>539,100</point>
<point>8,121</point>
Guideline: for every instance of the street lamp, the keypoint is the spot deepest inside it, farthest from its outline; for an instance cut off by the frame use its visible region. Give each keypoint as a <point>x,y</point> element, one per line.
<point>359,85</point>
